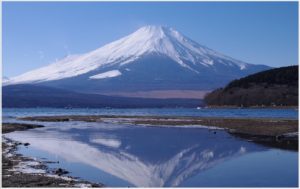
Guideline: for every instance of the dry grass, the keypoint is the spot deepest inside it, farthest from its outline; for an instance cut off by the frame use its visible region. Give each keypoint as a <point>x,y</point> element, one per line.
<point>252,126</point>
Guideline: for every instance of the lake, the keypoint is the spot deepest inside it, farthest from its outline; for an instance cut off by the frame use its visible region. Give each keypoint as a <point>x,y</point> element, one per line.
<point>121,155</point>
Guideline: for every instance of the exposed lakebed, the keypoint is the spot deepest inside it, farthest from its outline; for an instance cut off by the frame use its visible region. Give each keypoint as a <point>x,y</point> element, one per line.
<point>124,154</point>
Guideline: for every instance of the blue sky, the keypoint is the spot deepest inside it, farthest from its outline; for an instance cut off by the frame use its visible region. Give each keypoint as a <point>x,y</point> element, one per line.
<point>38,33</point>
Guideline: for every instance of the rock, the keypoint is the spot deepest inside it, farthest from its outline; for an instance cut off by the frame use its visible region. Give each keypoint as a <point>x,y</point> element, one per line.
<point>288,136</point>
<point>60,171</point>
<point>232,131</point>
<point>26,144</point>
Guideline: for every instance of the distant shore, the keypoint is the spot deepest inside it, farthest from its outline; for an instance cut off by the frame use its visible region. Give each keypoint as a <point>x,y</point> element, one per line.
<point>195,107</point>
<point>277,132</point>
<point>251,107</point>
<point>12,162</point>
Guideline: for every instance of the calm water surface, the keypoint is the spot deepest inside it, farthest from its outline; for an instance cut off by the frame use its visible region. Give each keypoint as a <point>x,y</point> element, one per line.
<point>128,155</point>
<point>222,112</point>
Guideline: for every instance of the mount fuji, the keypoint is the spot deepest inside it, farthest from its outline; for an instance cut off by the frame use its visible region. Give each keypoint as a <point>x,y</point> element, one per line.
<point>153,58</point>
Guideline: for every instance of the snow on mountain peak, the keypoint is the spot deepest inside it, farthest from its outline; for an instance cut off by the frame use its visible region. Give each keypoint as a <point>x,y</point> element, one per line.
<point>162,40</point>
<point>146,40</point>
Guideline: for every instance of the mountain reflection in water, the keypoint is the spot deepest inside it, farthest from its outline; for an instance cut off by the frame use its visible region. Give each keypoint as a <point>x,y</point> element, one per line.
<point>142,156</point>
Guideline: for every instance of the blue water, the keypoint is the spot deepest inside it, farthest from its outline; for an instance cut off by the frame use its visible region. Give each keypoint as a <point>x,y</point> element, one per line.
<point>121,155</point>
<point>273,168</point>
<point>244,112</point>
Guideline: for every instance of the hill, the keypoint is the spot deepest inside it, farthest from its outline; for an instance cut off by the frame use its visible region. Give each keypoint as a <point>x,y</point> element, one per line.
<point>275,87</point>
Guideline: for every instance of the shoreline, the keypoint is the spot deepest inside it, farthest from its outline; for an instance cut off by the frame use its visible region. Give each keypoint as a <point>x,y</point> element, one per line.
<point>22,171</point>
<point>249,107</point>
<point>196,107</point>
<point>275,132</point>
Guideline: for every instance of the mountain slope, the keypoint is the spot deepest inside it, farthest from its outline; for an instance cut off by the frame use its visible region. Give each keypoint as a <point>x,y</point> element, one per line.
<point>5,79</point>
<point>152,58</point>
<point>275,87</point>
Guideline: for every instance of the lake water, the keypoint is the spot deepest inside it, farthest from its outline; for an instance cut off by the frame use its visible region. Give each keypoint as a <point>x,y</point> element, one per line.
<point>204,112</point>
<point>122,155</point>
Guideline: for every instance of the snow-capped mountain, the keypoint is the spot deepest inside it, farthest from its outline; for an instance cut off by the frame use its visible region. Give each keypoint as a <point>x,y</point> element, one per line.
<point>151,58</point>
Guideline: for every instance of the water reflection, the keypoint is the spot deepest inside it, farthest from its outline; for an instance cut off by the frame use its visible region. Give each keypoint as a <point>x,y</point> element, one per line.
<point>142,156</point>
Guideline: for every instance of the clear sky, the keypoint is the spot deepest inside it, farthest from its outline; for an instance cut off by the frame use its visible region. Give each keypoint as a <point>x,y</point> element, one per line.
<point>38,33</point>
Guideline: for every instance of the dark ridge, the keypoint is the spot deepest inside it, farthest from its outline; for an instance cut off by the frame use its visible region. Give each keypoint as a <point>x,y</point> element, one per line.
<point>278,76</point>
<point>30,96</point>
<point>275,87</point>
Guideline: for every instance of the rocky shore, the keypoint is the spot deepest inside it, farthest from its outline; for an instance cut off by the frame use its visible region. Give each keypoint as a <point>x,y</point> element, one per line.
<point>21,171</point>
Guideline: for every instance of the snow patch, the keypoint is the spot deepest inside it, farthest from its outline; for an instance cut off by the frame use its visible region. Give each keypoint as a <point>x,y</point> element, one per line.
<point>28,167</point>
<point>112,73</point>
<point>5,80</point>
<point>242,66</point>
